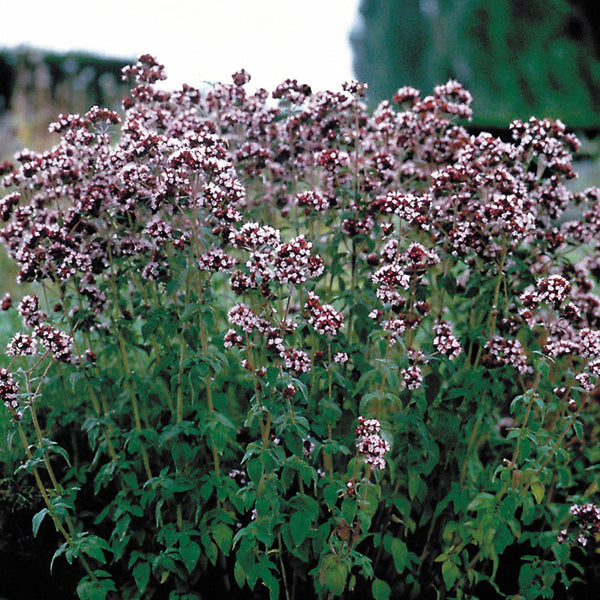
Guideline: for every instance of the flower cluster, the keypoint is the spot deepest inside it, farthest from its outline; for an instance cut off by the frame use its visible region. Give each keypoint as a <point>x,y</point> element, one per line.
<point>323,317</point>
<point>215,260</point>
<point>501,351</point>
<point>9,390</point>
<point>370,444</point>
<point>22,345</point>
<point>444,340</point>
<point>588,523</point>
<point>58,343</point>
<point>552,291</point>
<point>29,309</point>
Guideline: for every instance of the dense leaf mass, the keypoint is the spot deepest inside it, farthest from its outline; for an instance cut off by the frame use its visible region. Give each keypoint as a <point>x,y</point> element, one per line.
<point>316,351</point>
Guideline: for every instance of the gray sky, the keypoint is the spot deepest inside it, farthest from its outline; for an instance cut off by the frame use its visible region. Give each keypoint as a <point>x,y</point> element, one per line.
<point>198,40</point>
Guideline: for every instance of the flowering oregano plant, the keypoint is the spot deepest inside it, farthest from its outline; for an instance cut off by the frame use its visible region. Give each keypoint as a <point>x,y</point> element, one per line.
<point>315,351</point>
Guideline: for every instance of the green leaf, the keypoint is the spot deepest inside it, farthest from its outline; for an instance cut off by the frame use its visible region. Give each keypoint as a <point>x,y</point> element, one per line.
<point>333,574</point>
<point>397,548</point>
<point>272,375</point>
<point>300,524</point>
<point>239,574</point>
<point>255,470</point>
<point>37,520</point>
<point>92,546</point>
<point>60,551</point>
<point>482,501</point>
<point>450,573</point>
<point>537,488</point>
<point>515,401</point>
<point>433,384</point>
<point>349,510</point>
<point>90,589</point>
<point>141,574</point>
<point>329,412</point>
<point>330,494</point>
<point>222,535</point>
<point>381,590</point>
<point>190,554</point>
<point>417,488</point>
<point>449,284</point>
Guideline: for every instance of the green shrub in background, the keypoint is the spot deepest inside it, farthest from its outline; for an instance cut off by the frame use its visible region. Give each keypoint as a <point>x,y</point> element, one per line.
<point>305,351</point>
<point>517,58</point>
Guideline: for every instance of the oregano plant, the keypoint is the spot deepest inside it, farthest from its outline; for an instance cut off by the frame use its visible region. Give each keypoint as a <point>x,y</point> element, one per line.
<point>279,347</point>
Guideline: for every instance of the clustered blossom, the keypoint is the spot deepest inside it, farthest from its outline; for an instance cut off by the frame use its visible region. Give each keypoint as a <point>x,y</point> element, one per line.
<point>331,159</point>
<point>159,229</point>
<point>58,343</point>
<point>253,236</point>
<point>590,342</point>
<point>394,328</point>
<point>416,259</point>
<point>21,345</point>
<point>6,301</point>
<point>9,390</point>
<point>191,166</point>
<point>239,476</point>
<point>7,204</point>
<point>588,523</point>
<point>232,338</point>
<point>389,279</point>
<point>412,376</point>
<point>244,317</point>
<point>411,208</point>
<point>501,351</point>
<point>549,139</point>
<point>559,346</point>
<point>147,69</point>
<point>215,260</point>
<point>293,262</point>
<point>553,291</point>
<point>296,360</point>
<point>96,297</point>
<point>323,317</point>
<point>354,227</point>
<point>370,443</point>
<point>29,309</point>
<point>444,340</point>
<point>313,200</point>
<point>340,357</point>
<point>585,381</point>
<point>406,95</point>
<point>594,367</point>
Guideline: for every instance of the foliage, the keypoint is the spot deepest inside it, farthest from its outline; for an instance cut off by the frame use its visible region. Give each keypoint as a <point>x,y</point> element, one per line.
<point>516,58</point>
<point>312,351</point>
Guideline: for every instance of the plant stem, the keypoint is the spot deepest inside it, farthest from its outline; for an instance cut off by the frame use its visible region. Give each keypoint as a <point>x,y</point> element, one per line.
<point>282,568</point>
<point>57,522</point>
<point>135,406</point>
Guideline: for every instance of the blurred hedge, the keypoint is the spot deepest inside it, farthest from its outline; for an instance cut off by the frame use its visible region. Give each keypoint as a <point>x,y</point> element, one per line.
<point>518,58</point>
<point>36,85</point>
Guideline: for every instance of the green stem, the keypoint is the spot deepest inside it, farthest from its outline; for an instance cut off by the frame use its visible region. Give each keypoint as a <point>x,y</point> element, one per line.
<point>135,406</point>
<point>532,392</point>
<point>282,568</point>
<point>179,383</point>
<point>57,522</point>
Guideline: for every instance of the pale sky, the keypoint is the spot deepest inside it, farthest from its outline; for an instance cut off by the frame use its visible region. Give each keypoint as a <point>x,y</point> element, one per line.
<point>198,40</point>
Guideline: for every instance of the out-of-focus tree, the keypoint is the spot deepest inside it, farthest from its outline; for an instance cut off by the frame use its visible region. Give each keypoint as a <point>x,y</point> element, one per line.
<point>37,85</point>
<point>517,57</point>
